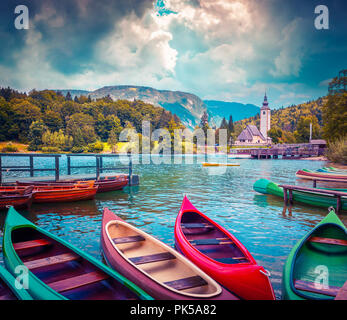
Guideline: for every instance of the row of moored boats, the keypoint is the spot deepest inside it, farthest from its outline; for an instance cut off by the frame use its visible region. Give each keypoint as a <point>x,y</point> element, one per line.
<point>316,267</point>
<point>24,193</point>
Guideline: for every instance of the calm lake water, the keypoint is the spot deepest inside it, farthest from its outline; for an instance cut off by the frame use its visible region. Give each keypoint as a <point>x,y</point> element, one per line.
<point>257,220</point>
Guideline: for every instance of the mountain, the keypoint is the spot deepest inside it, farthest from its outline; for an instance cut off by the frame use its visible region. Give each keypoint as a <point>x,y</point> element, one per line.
<point>74,92</point>
<point>219,109</point>
<point>188,107</point>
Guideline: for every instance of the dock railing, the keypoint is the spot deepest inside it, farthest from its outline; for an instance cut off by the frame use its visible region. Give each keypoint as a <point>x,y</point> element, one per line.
<point>99,165</point>
<point>30,168</point>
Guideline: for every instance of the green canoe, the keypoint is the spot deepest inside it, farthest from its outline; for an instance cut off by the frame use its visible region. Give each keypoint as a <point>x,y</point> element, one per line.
<point>58,270</point>
<point>311,198</point>
<point>316,268</point>
<point>8,290</point>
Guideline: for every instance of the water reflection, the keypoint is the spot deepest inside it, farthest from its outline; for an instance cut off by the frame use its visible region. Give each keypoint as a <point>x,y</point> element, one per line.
<point>261,222</point>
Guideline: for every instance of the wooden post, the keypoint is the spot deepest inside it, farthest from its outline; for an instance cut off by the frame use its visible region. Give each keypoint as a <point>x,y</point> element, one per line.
<point>101,165</point>
<point>97,168</point>
<point>68,165</point>
<point>290,196</point>
<point>31,160</point>
<point>338,204</point>
<point>130,170</point>
<point>285,196</point>
<point>56,168</point>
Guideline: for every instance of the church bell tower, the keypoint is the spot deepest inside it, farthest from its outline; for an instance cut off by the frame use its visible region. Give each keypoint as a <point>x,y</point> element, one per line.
<point>265,117</point>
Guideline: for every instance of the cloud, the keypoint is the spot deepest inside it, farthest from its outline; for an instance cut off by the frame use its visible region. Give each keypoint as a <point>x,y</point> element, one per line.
<point>222,49</point>
<point>289,60</point>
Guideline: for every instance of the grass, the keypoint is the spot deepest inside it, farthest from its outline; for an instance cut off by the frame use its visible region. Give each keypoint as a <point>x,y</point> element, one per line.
<point>18,147</point>
<point>337,151</point>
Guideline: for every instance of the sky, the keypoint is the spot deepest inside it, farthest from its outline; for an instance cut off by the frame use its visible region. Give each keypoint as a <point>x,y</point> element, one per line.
<point>230,50</point>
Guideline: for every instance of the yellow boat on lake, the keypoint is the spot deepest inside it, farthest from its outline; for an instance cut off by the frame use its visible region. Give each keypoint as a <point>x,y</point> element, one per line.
<point>216,164</point>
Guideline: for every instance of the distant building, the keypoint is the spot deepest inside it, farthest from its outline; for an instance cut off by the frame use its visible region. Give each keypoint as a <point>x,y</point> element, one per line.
<point>265,117</point>
<point>251,135</point>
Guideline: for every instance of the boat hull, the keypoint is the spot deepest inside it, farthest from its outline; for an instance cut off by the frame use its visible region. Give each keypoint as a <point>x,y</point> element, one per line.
<point>103,185</point>
<point>8,290</point>
<point>58,270</point>
<point>210,164</point>
<point>308,260</point>
<point>244,277</point>
<point>310,198</point>
<point>18,197</point>
<point>306,174</point>
<point>68,195</point>
<point>155,289</point>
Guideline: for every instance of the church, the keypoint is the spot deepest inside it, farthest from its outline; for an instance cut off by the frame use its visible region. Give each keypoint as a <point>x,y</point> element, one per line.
<point>251,135</point>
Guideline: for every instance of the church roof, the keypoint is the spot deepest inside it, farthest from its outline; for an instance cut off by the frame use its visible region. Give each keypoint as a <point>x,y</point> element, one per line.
<point>249,132</point>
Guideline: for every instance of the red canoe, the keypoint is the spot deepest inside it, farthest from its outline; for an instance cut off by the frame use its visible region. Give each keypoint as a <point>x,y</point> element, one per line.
<point>18,197</point>
<point>110,183</point>
<point>64,193</point>
<point>216,251</point>
<point>321,176</point>
<point>152,265</point>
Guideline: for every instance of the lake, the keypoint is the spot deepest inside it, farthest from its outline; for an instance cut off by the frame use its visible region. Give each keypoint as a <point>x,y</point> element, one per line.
<point>257,220</point>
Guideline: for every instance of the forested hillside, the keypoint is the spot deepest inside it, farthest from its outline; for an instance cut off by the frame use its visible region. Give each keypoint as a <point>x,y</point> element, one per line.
<point>51,122</point>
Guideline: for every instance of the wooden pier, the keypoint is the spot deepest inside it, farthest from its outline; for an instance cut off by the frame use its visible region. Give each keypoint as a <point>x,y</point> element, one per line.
<point>99,168</point>
<point>288,194</point>
<point>294,151</point>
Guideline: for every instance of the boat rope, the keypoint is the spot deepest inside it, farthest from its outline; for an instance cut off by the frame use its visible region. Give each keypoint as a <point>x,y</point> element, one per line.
<point>265,273</point>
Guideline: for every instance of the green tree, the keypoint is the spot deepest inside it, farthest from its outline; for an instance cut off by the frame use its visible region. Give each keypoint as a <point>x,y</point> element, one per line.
<point>335,116</point>
<point>36,131</point>
<point>302,132</point>
<point>275,134</point>
<point>112,140</point>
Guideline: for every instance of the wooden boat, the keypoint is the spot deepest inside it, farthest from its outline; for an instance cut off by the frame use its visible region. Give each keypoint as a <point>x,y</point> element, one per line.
<point>64,193</point>
<point>313,198</point>
<point>239,156</point>
<point>216,251</point>
<point>216,164</point>
<point>316,267</point>
<point>152,265</point>
<point>58,270</point>
<point>311,175</point>
<point>8,290</point>
<point>18,197</point>
<point>109,183</point>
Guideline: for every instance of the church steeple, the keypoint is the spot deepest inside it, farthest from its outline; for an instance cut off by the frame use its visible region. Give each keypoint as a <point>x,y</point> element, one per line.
<point>265,117</point>
<point>265,103</point>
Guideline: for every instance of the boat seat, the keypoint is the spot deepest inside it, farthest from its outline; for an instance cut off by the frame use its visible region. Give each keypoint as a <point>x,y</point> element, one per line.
<point>128,239</point>
<point>195,225</point>
<point>339,242</point>
<point>78,281</point>
<point>198,242</point>
<point>230,260</point>
<point>50,261</point>
<point>152,258</point>
<point>310,287</point>
<point>187,283</point>
<point>30,244</point>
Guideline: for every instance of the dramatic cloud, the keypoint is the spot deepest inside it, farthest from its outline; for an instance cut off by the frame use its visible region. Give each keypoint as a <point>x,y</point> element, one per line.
<point>218,49</point>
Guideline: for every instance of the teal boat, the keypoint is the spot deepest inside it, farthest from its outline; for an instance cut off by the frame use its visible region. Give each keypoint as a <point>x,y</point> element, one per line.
<point>316,268</point>
<point>311,198</point>
<point>58,270</point>
<point>8,289</point>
